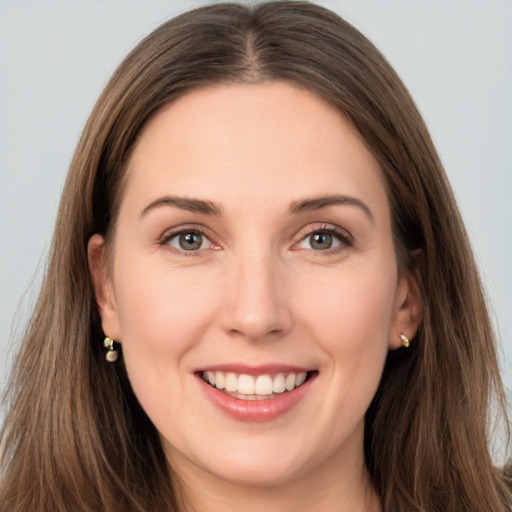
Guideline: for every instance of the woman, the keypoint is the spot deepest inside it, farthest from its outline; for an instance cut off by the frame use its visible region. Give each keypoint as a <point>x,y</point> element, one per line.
<point>260,294</point>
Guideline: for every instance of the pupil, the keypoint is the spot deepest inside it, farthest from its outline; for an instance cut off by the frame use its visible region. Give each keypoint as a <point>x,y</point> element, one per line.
<point>190,241</point>
<point>321,241</point>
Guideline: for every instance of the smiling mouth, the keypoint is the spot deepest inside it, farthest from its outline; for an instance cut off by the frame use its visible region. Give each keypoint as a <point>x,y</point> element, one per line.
<point>259,387</point>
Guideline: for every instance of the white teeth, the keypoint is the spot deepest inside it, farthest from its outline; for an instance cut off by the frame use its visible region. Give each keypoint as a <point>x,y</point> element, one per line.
<point>290,382</point>
<point>231,382</point>
<point>257,388</point>
<point>251,397</point>
<point>301,377</point>
<point>220,380</point>
<point>279,385</point>
<point>246,385</point>
<point>263,385</point>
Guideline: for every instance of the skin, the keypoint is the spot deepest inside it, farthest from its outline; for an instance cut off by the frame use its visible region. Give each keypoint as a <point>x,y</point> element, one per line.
<point>256,292</point>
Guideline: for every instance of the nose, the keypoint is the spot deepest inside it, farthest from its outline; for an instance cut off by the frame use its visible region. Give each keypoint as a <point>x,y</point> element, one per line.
<point>255,303</point>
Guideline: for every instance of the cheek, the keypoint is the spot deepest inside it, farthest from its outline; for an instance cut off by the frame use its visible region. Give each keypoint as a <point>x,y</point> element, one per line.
<point>352,310</point>
<point>350,319</point>
<point>162,315</point>
<point>156,306</point>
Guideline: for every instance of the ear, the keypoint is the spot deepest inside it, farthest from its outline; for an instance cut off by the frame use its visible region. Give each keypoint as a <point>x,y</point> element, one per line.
<point>408,305</point>
<point>103,288</point>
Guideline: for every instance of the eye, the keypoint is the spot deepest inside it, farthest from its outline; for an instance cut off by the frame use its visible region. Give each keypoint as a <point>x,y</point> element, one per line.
<point>324,239</point>
<point>191,240</point>
<point>319,241</point>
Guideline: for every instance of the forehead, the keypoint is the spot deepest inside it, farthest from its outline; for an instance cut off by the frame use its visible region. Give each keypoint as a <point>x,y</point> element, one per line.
<point>242,139</point>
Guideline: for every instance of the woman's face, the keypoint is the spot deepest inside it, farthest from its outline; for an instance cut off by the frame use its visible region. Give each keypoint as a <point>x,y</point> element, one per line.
<point>254,250</point>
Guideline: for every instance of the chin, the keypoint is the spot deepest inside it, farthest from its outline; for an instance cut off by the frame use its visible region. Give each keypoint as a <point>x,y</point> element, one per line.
<point>247,462</point>
<point>269,473</point>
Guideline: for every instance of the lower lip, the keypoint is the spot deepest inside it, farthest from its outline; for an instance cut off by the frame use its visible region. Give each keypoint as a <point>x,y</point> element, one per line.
<point>257,410</point>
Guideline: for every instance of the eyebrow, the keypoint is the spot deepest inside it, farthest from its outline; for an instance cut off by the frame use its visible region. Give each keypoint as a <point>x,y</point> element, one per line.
<point>185,203</point>
<point>210,208</point>
<point>308,205</point>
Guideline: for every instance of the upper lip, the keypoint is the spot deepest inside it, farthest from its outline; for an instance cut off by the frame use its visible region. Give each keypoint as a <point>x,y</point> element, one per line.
<point>265,369</point>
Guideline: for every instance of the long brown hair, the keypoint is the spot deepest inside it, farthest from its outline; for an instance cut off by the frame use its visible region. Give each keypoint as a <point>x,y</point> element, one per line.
<point>75,437</point>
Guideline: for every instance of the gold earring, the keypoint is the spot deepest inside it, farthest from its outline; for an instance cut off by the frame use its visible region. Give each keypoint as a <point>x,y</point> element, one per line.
<point>405,339</point>
<point>113,354</point>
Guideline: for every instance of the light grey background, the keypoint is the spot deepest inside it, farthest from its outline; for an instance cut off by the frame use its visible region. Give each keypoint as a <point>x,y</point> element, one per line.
<point>55,57</point>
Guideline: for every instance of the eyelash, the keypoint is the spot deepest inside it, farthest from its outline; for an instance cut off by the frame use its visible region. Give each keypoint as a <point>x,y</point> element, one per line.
<point>341,235</point>
<point>167,237</point>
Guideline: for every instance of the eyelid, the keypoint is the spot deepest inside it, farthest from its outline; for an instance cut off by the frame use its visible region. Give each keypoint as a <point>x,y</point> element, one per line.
<point>344,237</point>
<point>169,234</point>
